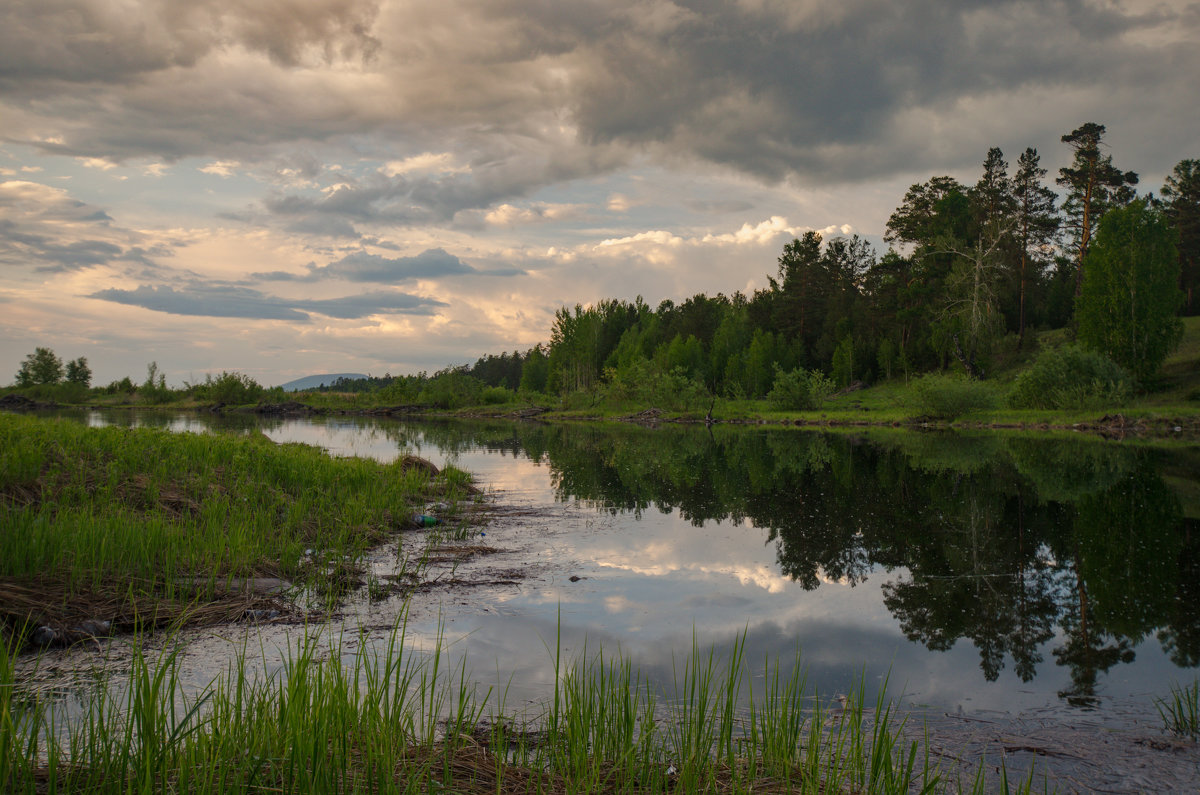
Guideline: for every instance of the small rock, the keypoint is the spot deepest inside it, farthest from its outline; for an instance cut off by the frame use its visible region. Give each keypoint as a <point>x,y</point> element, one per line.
<point>43,636</point>
<point>261,615</point>
<point>576,578</point>
<point>94,627</point>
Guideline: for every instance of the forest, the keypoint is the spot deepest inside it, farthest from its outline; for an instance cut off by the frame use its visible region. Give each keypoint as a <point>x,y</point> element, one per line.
<point>972,274</point>
<point>969,267</point>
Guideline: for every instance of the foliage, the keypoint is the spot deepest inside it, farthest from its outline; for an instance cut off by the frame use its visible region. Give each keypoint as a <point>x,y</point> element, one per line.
<point>40,367</point>
<point>154,389</point>
<point>341,715</point>
<point>1071,377</point>
<point>643,383</point>
<point>1094,186</point>
<point>124,513</point>
<point>497,395</point>
<point>1181,205</point>
<point>124,385</point>
<point>534,370</point>
<point>1131,293</point>
<point>78,372</point>
<point>1181,714</point>
<point>1037,223</point>
<point>451,389</point>
<point>843,362</point>
<point>799,389</point>
<point>946,397</point>
<point>235,389</point>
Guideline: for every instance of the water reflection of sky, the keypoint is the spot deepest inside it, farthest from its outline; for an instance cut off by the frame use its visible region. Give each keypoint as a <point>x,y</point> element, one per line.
<point>652,584</point>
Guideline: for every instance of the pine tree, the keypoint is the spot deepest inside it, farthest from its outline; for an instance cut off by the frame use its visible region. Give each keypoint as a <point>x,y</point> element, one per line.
<point>1181,195</point>
<point>1037,222</point>
<point>1094,186</point>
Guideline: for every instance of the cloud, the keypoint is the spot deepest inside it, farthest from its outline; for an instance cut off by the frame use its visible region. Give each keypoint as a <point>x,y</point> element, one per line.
<point>479,102</point>
<point>539,212</point>
<point>718,205</point>
<point>221,168</point>
<point>45,230</point>
<point>215,300</point>
<point>360,266</point>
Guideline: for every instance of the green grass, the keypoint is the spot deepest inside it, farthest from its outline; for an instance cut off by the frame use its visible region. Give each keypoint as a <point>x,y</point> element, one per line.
<point>117,524</point>
<point>1181,711</point>
<point>382,720</point>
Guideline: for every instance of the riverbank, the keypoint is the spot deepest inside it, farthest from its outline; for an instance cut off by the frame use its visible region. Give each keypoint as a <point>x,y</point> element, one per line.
<point>112,530</point>
<point>1101,752</point>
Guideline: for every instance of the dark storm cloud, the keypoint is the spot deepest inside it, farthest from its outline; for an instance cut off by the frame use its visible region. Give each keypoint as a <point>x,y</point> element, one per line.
<point>94,41</point>
<point>813,88</point>
<point>218,300</point>
<point>825,90</point>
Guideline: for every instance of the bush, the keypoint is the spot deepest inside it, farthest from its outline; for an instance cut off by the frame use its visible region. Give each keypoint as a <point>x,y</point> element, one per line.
<point>451,389</point>
<point>1071,377</point>
<point>63,392</point>
<point>799,389</point>
<point>124,386</point>
<point>947,397</point>
<point>232,388</point>
<point>642,383</point>
<point>496,395</point>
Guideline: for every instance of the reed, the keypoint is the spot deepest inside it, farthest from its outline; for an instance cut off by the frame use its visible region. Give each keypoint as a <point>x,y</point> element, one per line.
<point>387,720</point>
<point>142,526</point>
<point>1181,710</point>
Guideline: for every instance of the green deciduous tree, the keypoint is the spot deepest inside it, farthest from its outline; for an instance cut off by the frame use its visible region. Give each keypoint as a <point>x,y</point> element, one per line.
<point>534,370</point>
<point>1128,305</point>
<point>78,372</point>
<point>40,367</point>
<point>1181,198</point>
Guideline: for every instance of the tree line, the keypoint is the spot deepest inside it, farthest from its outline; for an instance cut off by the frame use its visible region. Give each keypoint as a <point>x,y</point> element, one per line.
<point>968,265</point>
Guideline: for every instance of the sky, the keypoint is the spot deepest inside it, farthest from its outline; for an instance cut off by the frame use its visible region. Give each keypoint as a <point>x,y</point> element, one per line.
<point>289,187</point>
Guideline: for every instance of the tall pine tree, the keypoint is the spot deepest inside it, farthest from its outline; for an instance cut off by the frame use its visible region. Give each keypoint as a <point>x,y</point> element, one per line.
<point>1037,223</point>
<point>1094,186</point>
<point>1181,206</point>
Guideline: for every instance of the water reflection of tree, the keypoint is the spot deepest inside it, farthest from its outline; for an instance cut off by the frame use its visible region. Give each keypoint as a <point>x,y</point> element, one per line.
<point>985,578</point>
<point>1181,637</point>
<point>998,541</point>
<point>1126,550</point>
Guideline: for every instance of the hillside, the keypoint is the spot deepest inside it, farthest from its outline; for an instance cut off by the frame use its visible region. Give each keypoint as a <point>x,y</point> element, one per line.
<point>315,381</point>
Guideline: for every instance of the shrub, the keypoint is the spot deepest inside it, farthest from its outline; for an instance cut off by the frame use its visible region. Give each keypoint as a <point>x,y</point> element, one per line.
<point>1071,377</point>
<point>495,395</point>
<point>644,384</point>
<point>451,389</point>
<point>946,397</point>
<point>799,389</point>
<point>231,388</point>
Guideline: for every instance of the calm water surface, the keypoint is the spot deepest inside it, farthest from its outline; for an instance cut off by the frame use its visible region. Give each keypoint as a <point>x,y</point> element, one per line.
<point>975,571</point>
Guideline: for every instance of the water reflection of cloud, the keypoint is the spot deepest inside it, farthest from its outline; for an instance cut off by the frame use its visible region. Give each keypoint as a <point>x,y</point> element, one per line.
<point>757,575</point>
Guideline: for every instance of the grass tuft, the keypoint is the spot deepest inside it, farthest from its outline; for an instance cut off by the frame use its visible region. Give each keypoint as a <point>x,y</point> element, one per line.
<point>1181,711</point>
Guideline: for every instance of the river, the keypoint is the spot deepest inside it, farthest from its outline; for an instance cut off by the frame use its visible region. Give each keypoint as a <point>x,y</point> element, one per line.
<point>979,573</point>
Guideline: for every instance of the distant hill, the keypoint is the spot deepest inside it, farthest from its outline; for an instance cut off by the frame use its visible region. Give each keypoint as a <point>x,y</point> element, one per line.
<point>314,381</point>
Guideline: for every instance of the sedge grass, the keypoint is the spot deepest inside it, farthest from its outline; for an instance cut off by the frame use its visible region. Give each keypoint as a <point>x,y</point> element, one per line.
<point>142,523</point>
<point>1180,711</point>
<point>387,720</point>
